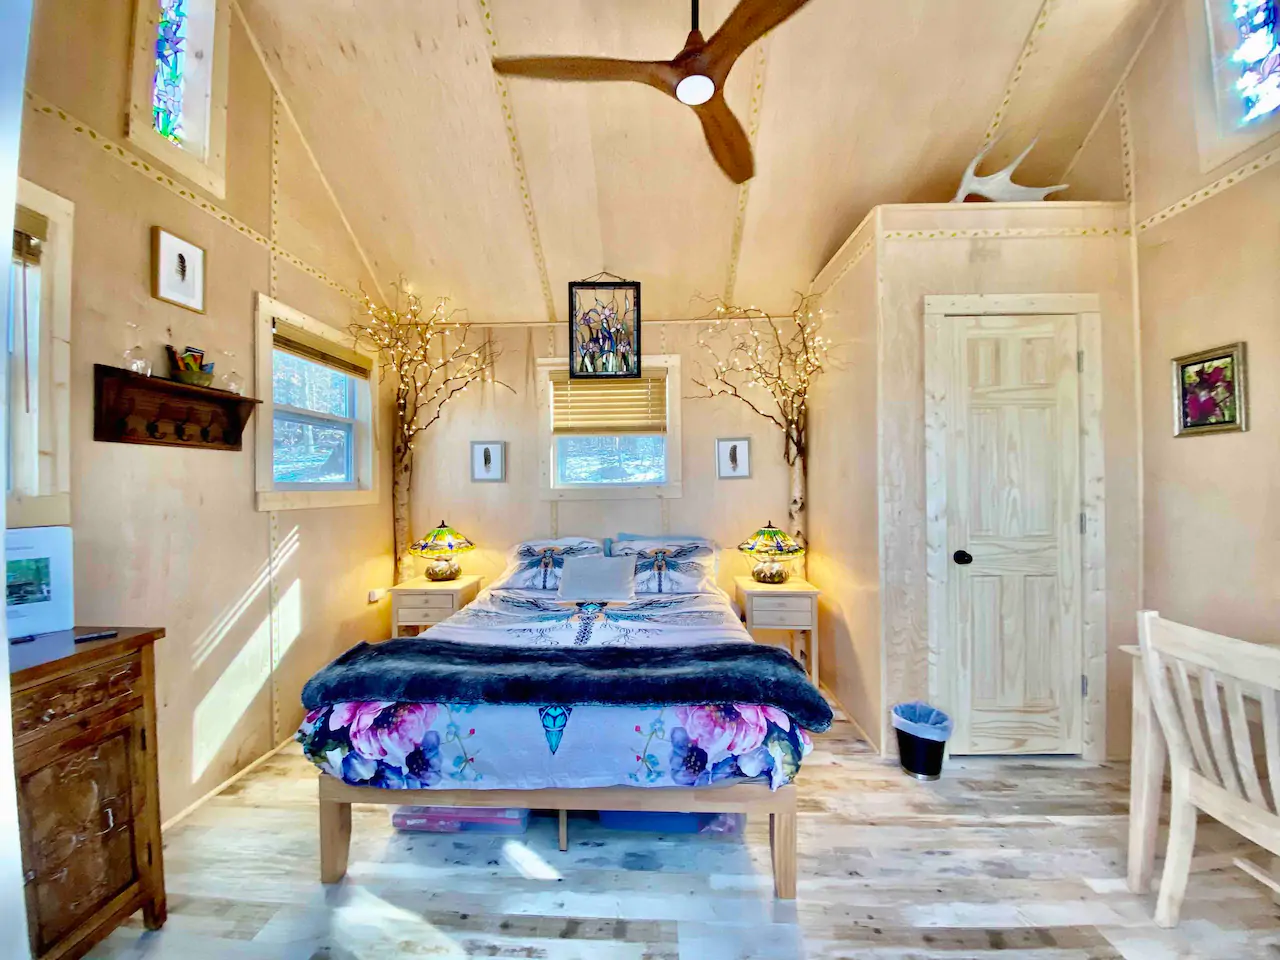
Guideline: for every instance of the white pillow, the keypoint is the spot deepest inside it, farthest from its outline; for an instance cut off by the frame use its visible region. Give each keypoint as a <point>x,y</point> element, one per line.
<point>598,578</point>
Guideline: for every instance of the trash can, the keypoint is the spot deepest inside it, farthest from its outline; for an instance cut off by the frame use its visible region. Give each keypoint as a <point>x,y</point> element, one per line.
<point>922,737</point>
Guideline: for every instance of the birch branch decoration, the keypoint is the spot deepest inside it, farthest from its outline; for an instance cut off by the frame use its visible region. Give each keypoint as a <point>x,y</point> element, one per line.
<point>769,363</point>
<point>432,363</point>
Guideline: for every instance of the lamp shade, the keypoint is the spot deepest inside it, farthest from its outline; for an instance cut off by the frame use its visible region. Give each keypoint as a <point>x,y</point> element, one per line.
<point>443,541</point>
<point>771,543</point>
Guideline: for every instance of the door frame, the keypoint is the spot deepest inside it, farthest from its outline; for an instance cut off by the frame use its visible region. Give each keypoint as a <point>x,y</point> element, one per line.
<point>939,310</point>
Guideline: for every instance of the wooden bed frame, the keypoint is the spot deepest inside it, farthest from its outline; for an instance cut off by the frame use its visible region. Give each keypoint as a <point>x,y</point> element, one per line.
<point>336,798</point>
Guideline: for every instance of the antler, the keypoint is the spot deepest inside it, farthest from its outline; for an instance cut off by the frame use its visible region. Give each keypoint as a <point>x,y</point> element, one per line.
<point>1000,186</point>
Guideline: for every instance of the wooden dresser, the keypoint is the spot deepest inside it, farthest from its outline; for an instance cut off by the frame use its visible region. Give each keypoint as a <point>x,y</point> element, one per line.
<point>84,730</point>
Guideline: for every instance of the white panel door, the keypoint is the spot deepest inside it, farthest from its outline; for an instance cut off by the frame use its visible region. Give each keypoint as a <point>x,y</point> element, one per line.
<point>1004,515</point>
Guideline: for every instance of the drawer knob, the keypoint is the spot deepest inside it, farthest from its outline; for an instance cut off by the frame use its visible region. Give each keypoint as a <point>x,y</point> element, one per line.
<point>48,715</point>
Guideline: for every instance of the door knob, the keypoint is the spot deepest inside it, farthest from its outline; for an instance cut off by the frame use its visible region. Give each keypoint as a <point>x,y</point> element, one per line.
<point>962,557</point>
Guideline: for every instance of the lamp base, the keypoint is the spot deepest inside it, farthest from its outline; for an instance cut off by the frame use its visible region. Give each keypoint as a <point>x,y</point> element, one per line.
<point>442,568</point>
<point>771,571</point>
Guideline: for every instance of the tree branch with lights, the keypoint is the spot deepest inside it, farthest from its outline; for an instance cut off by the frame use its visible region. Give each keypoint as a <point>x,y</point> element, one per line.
<point>428,354</point>
<point>768,363</point>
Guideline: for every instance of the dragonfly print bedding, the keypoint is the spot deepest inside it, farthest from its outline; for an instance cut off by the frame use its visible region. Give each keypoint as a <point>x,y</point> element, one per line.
<point>421,737</point>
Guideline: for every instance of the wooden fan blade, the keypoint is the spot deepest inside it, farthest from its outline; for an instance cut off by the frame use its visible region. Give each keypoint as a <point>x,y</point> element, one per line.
<point>654,73</point>
<point>750,20</point>
<point>726,138</point>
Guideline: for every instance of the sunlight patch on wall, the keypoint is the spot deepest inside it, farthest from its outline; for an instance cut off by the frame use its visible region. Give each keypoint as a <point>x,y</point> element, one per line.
<point>232,694</point>
<point>208,641</point>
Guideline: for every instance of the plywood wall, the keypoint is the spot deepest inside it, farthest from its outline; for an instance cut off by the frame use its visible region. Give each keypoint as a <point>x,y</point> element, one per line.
<point>918,250</point>
<point>844,557</point>
<point>171,537</point>
<point>497,515</point>
<point>1207,276</point>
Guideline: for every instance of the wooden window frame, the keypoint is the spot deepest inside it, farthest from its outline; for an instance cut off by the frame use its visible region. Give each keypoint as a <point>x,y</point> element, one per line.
<point>1217,106</point>
<point>672,489</point>
<point>367,428</point>
<point>52,509</point>
<point>208,171</point>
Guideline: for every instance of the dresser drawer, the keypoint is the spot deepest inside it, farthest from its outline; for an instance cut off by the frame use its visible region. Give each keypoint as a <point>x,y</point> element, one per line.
<point>788,604</point>
<point>41,706</point>
<point>423,616</point>
<point>425,601</point>
<point>782,618</point>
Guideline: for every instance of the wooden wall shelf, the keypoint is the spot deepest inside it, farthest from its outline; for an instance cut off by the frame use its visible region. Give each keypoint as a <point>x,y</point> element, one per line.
<point>131,408</point>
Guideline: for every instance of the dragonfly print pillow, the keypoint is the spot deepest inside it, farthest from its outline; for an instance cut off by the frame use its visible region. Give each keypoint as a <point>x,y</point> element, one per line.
<point>539,564</point>
<point>670,566</point>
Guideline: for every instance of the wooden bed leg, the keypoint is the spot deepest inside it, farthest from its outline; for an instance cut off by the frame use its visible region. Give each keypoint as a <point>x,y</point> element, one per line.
<point>564,830</point>
<point>782,844</point>
<point>335,839</point>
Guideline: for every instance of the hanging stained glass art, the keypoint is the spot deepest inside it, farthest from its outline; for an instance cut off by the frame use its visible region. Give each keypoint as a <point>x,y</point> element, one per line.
<point>1258,54</point>
<point>171,63</point>
<point>604,328</point>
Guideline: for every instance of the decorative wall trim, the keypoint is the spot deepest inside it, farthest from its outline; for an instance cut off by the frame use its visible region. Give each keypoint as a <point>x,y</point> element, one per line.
<point>306,146</point>
<point>1242,172</point>
<point>517,160</point>
<point>42,107</point>
<point>1006,233</point>
<point>858,253</point>
<point>1019,67</point>
<point>744,189</point>
<point>272,283</point>
<point>1126,147</point>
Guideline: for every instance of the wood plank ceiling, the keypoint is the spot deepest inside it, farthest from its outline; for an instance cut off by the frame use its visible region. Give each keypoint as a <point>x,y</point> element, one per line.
<point>497,194</point>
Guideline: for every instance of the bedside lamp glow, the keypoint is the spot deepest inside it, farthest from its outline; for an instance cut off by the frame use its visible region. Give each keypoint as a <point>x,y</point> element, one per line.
<point>773,549</point>
<point>440,548</point>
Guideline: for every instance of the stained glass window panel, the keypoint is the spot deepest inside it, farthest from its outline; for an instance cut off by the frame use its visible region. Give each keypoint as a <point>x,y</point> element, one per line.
<point>1258,54</point>
<point>171,65</point>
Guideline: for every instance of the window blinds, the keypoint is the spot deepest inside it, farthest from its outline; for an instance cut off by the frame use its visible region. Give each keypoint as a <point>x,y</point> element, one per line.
<point>310,346</point>
<point>608,406</point>
<point>30,231</point>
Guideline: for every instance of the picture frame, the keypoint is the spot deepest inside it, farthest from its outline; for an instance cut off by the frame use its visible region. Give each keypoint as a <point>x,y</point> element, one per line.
<point>488,461</point>
<point>733,458</point>
<point>177,270</point>
<point>1210,391</point>
<point>604,329</point>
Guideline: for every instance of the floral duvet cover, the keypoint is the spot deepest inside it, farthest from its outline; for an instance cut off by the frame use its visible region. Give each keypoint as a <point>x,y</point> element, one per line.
<point>526,747</point>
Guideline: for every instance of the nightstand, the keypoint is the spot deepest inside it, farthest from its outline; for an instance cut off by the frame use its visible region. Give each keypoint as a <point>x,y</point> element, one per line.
<point>790,606</point>
<point>421,602</point>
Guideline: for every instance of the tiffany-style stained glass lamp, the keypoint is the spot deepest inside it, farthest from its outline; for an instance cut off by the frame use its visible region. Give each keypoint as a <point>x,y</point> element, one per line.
<point>441,547</point>
<point>773,550</point>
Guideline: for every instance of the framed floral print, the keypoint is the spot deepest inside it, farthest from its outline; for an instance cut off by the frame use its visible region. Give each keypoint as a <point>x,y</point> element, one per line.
<point>604,329</point>
<point>1209,391</point>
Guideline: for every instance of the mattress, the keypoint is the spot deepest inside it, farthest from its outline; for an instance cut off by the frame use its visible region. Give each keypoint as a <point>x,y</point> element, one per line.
<point>525,747</point>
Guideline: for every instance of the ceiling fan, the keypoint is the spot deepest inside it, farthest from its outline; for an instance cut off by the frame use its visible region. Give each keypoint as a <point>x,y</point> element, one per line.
<point>695,76</point>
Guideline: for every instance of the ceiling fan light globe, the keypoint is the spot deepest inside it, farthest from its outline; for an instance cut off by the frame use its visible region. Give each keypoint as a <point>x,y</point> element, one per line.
<point>695,89</point>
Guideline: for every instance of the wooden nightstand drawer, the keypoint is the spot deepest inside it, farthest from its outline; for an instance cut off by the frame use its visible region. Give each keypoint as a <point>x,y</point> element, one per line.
<point>407,617</point>
<point>86,690</point>
<point>782,618</point>
<point>789,604</point>
<point>425,601</point>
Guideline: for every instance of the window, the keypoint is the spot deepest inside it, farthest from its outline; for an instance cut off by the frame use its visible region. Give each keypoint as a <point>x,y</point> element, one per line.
<point>320,448</point>
<point>611,439</point>
<point>38,353</point>
<point>1235,48</point>
<point>179,86</point>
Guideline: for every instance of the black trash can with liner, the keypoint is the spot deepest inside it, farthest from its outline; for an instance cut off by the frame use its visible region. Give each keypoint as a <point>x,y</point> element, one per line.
<point>922,738</point>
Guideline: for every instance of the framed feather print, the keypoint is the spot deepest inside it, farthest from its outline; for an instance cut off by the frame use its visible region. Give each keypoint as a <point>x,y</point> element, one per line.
<point>177,271</point>
<point>733,458</point>
<point>488,461</point>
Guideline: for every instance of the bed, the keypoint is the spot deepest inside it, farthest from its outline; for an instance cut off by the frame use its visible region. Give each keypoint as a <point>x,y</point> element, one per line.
<point>661,703</point>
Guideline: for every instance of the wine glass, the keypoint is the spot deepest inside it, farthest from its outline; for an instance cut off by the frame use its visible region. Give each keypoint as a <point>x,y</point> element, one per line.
<point>135,357</point>
<point>231,381</point>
